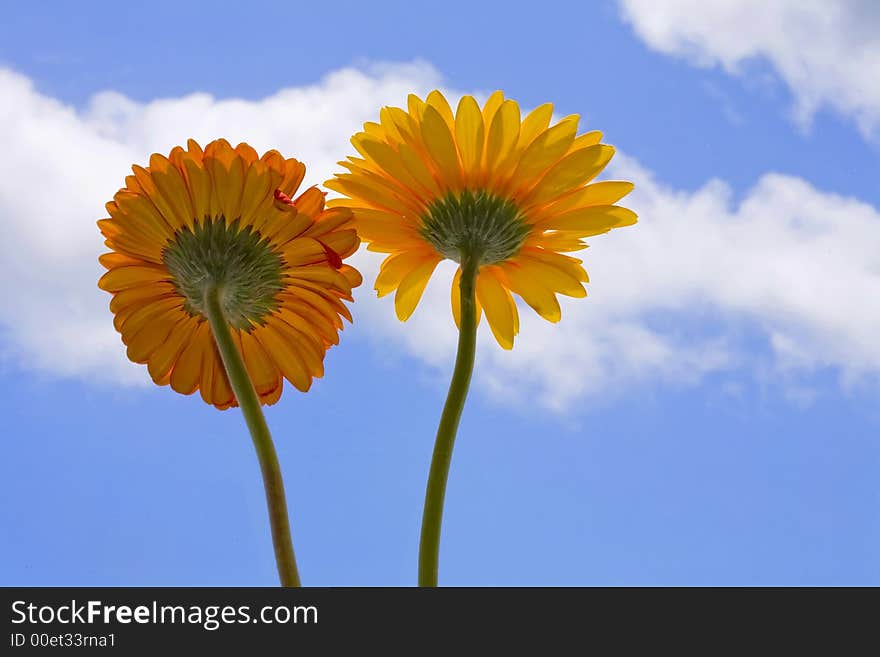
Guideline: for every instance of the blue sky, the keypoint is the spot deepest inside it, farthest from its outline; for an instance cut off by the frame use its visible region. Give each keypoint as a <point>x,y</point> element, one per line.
<point>697,420</point>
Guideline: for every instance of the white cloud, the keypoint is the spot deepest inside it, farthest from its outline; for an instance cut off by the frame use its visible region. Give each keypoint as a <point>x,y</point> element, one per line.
<point>828,53</point>
<point>686,292</point>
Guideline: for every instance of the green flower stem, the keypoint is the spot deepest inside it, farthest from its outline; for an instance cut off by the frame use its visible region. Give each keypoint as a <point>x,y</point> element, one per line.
<point>429,546</point>
<point>247,398</point>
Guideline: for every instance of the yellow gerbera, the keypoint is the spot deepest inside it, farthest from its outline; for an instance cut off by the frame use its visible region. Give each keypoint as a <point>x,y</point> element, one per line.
<point>504,197</point>
<point>224,216</point>
<point>431,184</point>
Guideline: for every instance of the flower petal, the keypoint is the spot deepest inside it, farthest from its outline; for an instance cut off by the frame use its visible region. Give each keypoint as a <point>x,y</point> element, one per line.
<point>456,300</point>
<point>469,134</point>
<point>499,308</point>
<point>570,172</point>
<point>441,147</point>
<point>543,152</point>
<point>411,288</point>
<point>538,296</point>
<point>187,370</point>
<point>397,267</point>
<point>502,136</point>
<point>593,220</point>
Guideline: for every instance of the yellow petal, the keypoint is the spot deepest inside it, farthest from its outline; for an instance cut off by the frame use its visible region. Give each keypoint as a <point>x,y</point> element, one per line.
<point>378,196</point>
<point>332,297</point>
<point>412,286</point>
<point>438,101</point>
<point>247,153</point>
<point>227,173</point>
<point>330,220</point>
<point>570,172</point>
<point>395,125</point>
<point>592,220</point>
<point>554,241</point>
<point>315,319</point>
<point>304,339</point>
<point>263,371</point>
<point>122,278</point>
<point>310,202</point>
<point>502,137</point>
<point>441,146</point>
<point>137,215</point>
<point>497,305</point>
<point>171,185</point>
<point>273,396</point>
<point>150,191</point>
<point>415,106</point>
<point>206,374</point>
<point>539,297</point>
<point>113,259</point>
<point>492,104</point>
<point>221,391</point>
<point>294,172</point>
<point>145,251</point>
<point>283,224</point>
<point>469,134</point>
<point>393,164</point>
<point>284,354</point>
<point>511,303</point>
<point>606,192</point>
<point>260,183</point>
<point>352,275</point>
<point>303,297</point>
<point>187,370</point>
<point>214,386</point>
<point>131,324</point>
<point>341,242</point>
<point>140,295</point>
<point>411,204</point>
<point>417,167</point>
<point>198,182</point>
<point>534,124</point>
<point>389,230</point>
<point>304,251</point>
<point>553,271</point>
<point>149,337</point>
<point>320,273</point>
<point>374,129</point>
<point>456,300</point>
<point>168,352</point>
<point>136,248</point>
<point>543,152</point>
<point>586,140</point>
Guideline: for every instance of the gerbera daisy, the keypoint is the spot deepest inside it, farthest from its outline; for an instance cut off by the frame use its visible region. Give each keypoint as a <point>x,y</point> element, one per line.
<point>515,194</point>
<point>505,197</point>
<point>224,217</point>
<point>221,283</point>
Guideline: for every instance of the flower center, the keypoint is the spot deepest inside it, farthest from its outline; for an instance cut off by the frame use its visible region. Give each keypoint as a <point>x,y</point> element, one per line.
<point>476,223</point>
<point>239,261</point>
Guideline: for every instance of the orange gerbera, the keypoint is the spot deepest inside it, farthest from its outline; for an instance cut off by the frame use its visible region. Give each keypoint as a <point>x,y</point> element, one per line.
<point>224,216</point>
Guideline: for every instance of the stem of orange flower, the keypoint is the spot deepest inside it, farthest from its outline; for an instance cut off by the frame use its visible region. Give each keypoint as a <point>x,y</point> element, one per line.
<point>432,517</point>
<point>247,399</point>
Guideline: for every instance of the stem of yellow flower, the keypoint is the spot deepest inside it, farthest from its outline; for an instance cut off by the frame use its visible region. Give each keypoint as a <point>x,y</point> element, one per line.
<point>432,517</point>
<point>247,399</point>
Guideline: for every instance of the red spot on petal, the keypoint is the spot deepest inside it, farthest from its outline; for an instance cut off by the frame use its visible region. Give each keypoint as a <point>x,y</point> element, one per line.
<point>284,198</point>
<point>332,257</point>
